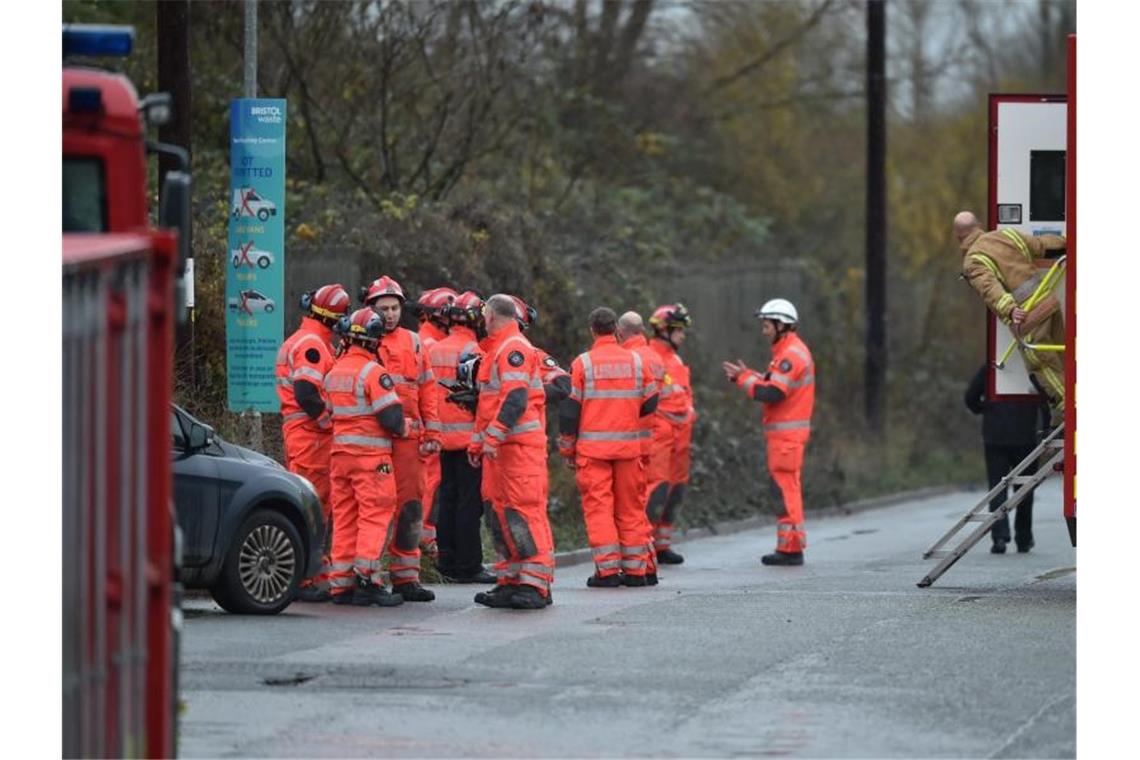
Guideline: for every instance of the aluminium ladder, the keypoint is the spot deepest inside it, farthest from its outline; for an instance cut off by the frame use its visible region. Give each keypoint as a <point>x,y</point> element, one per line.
<point>1055,445</point>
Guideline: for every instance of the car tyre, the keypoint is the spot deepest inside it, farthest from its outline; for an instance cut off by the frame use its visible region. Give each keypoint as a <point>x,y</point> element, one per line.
<point>264,262</point>
<point>269,308</point>
<point>237,262</point>
<point>263,566</point>
<point>263,214</point>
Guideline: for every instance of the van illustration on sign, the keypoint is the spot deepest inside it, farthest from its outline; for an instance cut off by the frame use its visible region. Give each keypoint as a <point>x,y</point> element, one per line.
<point>246,202</point>
<point>249,301</point>
<point>248,256</point>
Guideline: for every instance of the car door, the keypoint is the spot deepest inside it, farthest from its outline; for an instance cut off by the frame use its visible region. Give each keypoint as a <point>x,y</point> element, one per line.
<point>197,495</point>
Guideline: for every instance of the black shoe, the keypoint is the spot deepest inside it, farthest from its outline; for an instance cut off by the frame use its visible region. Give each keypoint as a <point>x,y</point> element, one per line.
<point>529,598</point>
<point>368,593</point>
<point>651,579</point>
<point>604,581</point>
<point>998,547</point>
<point>1023,547</point>
<point>314,594</point>
<point>344,597</point>
<point>669,557</point>
<point>634,580</point>
<point>499,596</point>
<point>413,592</point>
<point>481,577</point>
<point>783,558</point>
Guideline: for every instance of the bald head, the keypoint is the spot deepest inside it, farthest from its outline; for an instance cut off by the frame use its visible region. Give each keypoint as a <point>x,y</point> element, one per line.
<point>964,223</point>
<point>630,324</point>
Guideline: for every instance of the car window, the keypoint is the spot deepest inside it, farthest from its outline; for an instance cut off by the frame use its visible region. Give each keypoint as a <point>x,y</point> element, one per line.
<point>176,431</point>
<point>84,204</point>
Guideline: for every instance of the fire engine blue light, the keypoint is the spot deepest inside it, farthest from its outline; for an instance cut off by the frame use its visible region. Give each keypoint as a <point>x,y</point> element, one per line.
<point>98,40</point>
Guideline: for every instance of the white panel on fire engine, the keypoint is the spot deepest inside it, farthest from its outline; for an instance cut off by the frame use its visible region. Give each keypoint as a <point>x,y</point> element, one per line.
<point>1031,199</point>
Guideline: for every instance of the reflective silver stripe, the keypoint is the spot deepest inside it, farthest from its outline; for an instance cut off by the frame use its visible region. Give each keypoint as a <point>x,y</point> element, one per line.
<point>308,372</point>
<point>794,425</point>
<point>425,377</point>
<point>646,433</point>
<point>779,377</point>
<point>634,564</point>
<point>285,382</point>
<point>675,417</point>
<point>399,378</point>
<point>358,386</point>
<point>496,433</point>
<point>431,425</point>
<point>362,563</point>
<point>525,427</point>
<point>295,416</point>
<point>537,582</point>
<point>632,550</point>
<point>520,376</point>
<point>476,438</point>
<point>609,436</point>
<point>651,388</point>
<point>405,573</point>
<point>612,394</point>
<point>670,389</point>
<point>609,564</point>
<point>351,411</point>
<point>489,386</point>
<point>1025,289</point>
<point>638,378</point>
<point>455,427</point>
<point>342,581</point>
<point>575,394</point>
<point>363,440</point>
<point>342,567</point>
<point>750,381</point>
<point>386,400</point>
<point>606,549</point>
<point>804,381</point>
<point>534,567</point>
<point>416,341</point>
<point>799,352</point>
<point>494,378</point>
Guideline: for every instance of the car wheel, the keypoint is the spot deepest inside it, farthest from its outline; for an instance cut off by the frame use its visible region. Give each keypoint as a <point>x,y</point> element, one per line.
<point>263,566</point>
<point>263,214</point>
<point>263,262</point>
<point>237,261</point>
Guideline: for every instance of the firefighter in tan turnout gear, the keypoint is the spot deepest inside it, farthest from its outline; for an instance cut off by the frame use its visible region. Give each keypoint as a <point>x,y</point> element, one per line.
<point>1001,265</point>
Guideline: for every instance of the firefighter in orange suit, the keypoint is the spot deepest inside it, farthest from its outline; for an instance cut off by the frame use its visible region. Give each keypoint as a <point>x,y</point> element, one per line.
<point>611,392</point>
<point>402,355</point>
<point>302,362</point>
<point>431,308</point>
<point>366,413</point>
<point>1001,266</point>
<point>787,391</point>
<point>655,431</point>
<point>676,416</point>
<point>460,503</point>
<point>511,432</point>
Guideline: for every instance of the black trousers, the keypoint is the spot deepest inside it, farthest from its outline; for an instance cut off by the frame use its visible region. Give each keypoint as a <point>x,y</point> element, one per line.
<point>460,515</point>
<point>999,461</point>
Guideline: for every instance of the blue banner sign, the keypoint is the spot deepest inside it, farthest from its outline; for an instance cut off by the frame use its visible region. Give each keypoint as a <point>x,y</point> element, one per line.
<point>255,258</point>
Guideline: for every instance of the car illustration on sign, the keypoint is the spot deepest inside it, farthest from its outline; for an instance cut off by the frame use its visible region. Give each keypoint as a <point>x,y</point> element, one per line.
<point>248,255</point>
<point>246,202</point>
<point>249,301</point>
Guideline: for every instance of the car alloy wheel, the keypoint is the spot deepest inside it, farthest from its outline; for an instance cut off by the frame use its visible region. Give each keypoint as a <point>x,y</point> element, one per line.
<point>266,563</point>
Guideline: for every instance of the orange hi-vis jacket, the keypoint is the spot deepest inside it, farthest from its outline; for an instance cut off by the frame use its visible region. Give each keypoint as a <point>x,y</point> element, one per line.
<point>359,389</point>
<point>307,355</point>
<point>512,401</point>
<point>655,368</point>
<point>676,404</point>
<point>792,372</point>
<point>430,334</point>
<point>612,385</point>
<point>455,424</point>
<point>406,362</point>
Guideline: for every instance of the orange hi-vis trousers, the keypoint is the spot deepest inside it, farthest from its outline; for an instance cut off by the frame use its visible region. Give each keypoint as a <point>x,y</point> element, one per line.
<point>429,488</point>
<point>668,478</point>
<point>520,528</point>
<point>404,547</point>
<point>308,453</point>
<point>364,505</point>
<point>785,465</point>
<point>616,523</point>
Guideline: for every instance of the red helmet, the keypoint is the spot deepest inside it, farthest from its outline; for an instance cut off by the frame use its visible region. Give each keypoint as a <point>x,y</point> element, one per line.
<point>384,286</point>
<point>435,301</point>
<point>327,303</point>
<point>669,316</point>
<point>526,315</point>
<point>467,308</point>
<point>364,327</point>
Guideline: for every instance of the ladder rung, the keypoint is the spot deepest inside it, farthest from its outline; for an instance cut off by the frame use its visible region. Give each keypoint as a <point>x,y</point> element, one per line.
<point>1021,480</point>
<point>980,517</point>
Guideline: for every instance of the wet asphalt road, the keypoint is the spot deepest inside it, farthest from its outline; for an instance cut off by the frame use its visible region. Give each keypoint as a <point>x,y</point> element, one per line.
<point>843,657</point>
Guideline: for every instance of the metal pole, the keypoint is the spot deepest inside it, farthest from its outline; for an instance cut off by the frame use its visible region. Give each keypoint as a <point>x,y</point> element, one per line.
<point>876,283</point>
<point>255,435</point>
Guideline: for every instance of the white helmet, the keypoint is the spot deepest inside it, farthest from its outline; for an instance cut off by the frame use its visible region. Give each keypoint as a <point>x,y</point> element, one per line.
<point>779,310</point>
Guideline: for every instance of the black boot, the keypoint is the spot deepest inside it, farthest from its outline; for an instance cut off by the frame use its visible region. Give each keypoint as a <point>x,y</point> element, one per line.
<point>481,577</point>
<point>669,557</point>
<point>413,592</point>
<point>529,598</point>
<point>783,558</point>
<point>313,594</point>
<point>344,597</point>
<point>998,547</point>
<point>1023,547</point>
<point>499,596</point>
<point>368,593</point>
<point>651,579</point>
<point>604,581</point>
<point>634,580</point>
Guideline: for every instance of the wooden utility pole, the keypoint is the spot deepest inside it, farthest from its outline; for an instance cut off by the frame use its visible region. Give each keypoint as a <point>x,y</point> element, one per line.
<point>875,378</point>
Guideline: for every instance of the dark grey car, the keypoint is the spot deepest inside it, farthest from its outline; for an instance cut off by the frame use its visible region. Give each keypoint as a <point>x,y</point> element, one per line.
<point>250,529</point>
